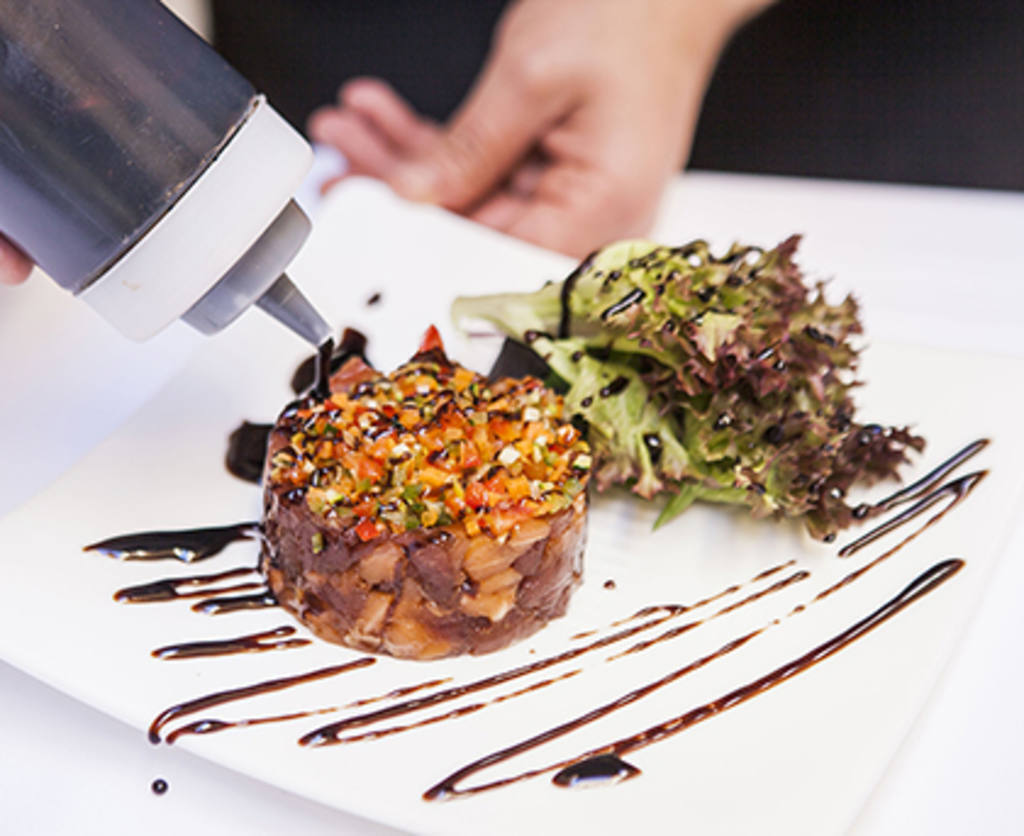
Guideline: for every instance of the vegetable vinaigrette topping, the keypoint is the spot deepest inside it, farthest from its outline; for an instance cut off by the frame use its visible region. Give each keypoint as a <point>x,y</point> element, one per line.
<point>434,444</point>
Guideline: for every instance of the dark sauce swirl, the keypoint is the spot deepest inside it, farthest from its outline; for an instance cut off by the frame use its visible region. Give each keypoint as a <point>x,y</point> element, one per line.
<point>246,691</point>
<point>275,639</point>
<point>193,586</point>
<point>188,546</point>
<point>234,603</point>
<point>448,787</point>
<point>957,489</point>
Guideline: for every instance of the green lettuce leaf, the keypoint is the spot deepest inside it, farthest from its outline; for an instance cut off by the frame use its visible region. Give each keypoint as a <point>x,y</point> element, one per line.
<point>721,379</point>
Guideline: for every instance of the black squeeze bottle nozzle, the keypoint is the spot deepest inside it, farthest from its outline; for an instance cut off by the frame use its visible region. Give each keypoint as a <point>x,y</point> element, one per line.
<point>258,278</point>
<point>285,302</point>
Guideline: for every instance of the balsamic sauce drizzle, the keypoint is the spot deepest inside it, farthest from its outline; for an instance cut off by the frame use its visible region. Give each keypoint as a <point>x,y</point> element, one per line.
<point>208,726</point>
<point>324,354</point>
<point>774,570</point>
<point>601,711</point>
<point>665,612</point>
<point>402,691</point>
<point>624,304</point>
<point>461,711</point>
<point>957,488</point>
<point>314,370</point>
<point>565,319</point>
<point>921,486</point>
<point>778,586</point>
<point>169,589</point>
<point>252,643</point>
<point>234,603</point>
<point>599,765</point>
<point>615,387</point>
<point>246,691</point>
<point>920,586</point>
<point>247,450</point>
<point>189,546</point>
<point>247,444</point>
<point>331,734</point>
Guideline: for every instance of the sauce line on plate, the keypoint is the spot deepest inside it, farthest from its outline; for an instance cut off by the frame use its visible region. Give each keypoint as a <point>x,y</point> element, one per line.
<point>170,589</point>
<point>245,691</point>
<point>276,639</point>
<point>188,546</point>
<point>448,787</point>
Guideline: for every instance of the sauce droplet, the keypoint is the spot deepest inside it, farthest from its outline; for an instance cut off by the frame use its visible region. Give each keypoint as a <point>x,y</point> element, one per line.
<point>613,388</point>
<point>598,770</point>
<point>653,443</point>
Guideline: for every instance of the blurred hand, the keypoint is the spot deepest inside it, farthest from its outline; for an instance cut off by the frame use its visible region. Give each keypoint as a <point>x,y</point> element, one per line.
<point>582,113</point>
<point>14,264</point>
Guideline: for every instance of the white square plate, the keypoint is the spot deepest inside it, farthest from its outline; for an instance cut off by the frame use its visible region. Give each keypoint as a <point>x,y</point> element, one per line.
<point>801,758</point>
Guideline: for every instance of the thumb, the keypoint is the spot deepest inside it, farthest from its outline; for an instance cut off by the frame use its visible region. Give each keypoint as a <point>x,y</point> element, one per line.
<point>14,265</point>
<point>500,121</point>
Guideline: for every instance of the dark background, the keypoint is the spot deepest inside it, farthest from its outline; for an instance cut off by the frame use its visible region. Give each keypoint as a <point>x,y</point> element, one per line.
<point>895,90</point>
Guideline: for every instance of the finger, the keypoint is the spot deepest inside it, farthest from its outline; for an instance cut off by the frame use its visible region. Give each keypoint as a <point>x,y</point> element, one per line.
<point>501,210</point>
<point>365,150</point>
<point>576,209</point>
<point>494,129</point>
<point>527,176</point>
<point>331,182</point>
<point>506,204</point>
<point>14,264</point>
<point>376,101</point>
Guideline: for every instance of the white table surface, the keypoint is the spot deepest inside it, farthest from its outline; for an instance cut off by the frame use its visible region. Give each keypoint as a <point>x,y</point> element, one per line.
<point>933,266</point>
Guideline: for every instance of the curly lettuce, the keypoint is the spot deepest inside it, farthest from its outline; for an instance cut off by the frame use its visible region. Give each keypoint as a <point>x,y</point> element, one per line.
<point>719,379</point>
